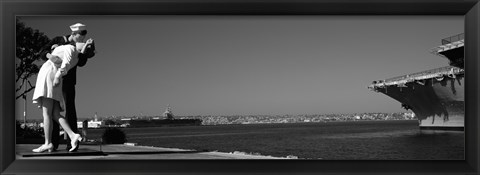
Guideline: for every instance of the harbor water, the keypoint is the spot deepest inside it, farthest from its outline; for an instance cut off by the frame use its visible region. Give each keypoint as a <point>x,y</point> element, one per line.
<point>352,140</point>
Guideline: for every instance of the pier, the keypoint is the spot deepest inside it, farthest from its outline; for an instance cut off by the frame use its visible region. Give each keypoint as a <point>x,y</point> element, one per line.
<point>127,151</point>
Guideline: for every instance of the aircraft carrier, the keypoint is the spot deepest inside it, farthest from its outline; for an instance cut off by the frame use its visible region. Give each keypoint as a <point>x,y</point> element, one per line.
<point>435,96</point>
<point>169,120</point>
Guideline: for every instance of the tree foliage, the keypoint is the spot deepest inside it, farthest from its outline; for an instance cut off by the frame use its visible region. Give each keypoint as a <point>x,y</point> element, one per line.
<point>28,132</point>
<point>29,43</point>
<point>114,136</point>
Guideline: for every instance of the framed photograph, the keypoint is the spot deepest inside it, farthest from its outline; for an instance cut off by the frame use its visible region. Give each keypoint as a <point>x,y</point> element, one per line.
<point>256,70</point>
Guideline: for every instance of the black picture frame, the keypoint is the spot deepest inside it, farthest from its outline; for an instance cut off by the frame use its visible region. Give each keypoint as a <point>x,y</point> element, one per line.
<point>470,9</point>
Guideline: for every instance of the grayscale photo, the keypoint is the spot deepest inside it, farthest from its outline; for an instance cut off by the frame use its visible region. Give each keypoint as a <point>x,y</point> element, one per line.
<point>240,87</point>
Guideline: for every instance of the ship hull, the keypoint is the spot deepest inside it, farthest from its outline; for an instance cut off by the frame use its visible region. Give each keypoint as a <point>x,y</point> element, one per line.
<point>438,103</point>
<point>436,96</point>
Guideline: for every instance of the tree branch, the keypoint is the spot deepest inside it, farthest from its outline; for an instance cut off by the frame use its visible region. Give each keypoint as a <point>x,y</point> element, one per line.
<point>20,88</point>
<point>19,74</point>
<point>25,92</point>
<point>30,84</point>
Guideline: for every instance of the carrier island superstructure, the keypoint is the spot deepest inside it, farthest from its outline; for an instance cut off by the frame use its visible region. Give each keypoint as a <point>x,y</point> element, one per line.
<point>435,96</point>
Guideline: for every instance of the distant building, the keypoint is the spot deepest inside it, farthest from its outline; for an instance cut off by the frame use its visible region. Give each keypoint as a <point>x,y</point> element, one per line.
<point>91,124</point>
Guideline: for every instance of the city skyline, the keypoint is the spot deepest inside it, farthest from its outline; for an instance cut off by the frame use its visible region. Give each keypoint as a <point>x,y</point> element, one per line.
<point>244,65</point>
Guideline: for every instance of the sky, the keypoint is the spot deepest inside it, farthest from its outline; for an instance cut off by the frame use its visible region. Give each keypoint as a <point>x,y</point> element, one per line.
<point>245,65</point>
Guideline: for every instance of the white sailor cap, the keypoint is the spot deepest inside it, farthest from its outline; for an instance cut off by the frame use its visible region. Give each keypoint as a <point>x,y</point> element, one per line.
<point>78,27</point>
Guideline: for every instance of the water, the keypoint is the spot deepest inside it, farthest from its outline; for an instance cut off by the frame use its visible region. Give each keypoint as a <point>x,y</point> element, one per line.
<point>361,140</point>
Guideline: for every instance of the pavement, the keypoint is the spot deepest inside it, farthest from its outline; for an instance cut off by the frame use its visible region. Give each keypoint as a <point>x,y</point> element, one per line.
<point>127,151</point>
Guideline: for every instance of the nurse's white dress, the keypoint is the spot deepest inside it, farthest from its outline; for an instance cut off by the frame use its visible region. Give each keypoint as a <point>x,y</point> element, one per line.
<point>50,70</point>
